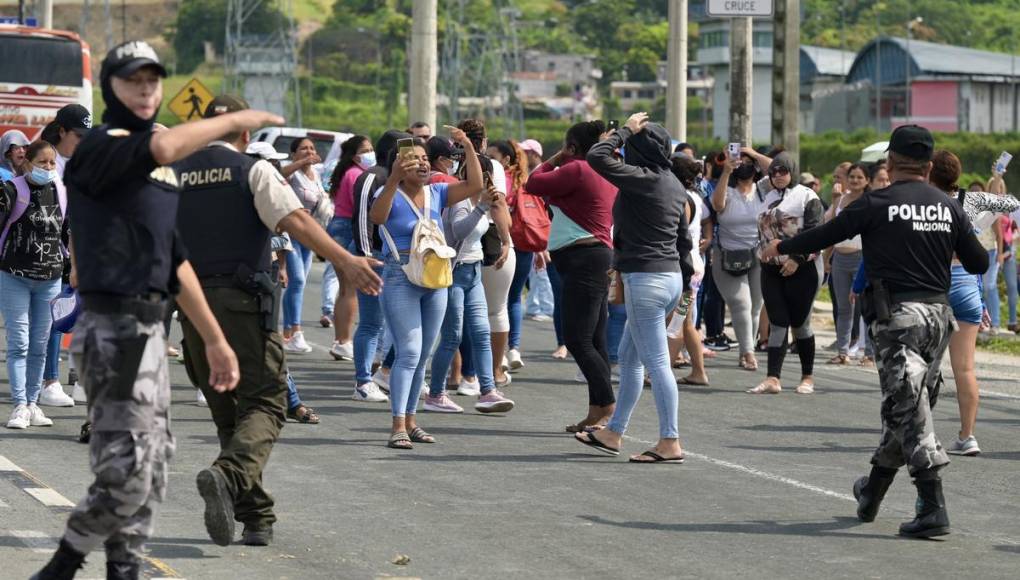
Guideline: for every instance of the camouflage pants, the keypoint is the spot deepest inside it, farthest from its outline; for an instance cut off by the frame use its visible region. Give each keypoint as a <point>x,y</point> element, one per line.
<point>122,364</point>
<point>910,347</point>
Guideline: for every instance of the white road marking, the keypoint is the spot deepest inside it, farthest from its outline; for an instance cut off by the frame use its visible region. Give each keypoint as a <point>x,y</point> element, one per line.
<point>3,504</point>
<point>49,497</point>
<point>998,395</point>
<point>39,542</point>
<point>6,465</point>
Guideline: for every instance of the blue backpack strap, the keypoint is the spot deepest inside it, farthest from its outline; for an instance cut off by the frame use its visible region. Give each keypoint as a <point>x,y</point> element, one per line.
<point>20,207</point>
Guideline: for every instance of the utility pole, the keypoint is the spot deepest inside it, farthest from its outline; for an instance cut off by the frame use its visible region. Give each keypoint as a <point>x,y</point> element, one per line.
<point>423,62</point>
<point>786,77</point>
<point>47,13</point>
<point>676,71</point>
<point>741,79</point>
<point>909,96</point>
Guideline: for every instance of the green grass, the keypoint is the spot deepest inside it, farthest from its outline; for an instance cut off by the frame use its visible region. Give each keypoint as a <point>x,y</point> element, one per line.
<point>1000,345</point>
<point>317,10</point>
<point>823,295</point>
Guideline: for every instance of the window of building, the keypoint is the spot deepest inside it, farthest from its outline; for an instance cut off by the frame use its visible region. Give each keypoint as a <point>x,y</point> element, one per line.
<point>628,94</point>
<point>646,94</point>
<point>763,39</point>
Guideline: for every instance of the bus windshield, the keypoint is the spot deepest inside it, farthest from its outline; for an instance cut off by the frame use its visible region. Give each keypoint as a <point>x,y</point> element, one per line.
<point>40,61</point>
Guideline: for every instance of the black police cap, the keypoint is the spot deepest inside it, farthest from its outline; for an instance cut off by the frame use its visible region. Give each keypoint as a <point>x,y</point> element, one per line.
<point>125,59</point>
<point>912,141</point>
<point>225,104</point>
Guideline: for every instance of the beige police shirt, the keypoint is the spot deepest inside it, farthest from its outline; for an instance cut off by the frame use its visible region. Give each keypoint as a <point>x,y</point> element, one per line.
<point>274,198</point>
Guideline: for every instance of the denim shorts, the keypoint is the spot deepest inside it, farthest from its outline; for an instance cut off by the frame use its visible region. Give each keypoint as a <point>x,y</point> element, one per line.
<point>965,296</point>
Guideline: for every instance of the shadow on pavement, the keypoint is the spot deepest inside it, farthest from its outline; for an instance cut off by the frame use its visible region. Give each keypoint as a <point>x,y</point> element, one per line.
<point>827,447</point>
<point>462,458</point>
<point>811,429</point>
<point>834,528</point>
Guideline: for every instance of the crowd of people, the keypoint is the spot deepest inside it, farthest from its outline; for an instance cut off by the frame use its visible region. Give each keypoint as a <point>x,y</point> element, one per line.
<point>439,246</point>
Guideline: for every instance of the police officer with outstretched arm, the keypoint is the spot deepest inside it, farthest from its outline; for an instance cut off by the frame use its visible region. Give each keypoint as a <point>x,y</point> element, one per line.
<point>128,259</point>
<point>910,231</point>
<point>231,205</point>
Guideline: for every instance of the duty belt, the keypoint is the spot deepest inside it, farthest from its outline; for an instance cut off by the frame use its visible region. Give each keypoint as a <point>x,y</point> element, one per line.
<point>924,297</point>
<point>148,308</point>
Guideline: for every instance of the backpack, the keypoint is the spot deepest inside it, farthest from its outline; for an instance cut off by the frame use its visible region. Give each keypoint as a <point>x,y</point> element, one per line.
<point>429,265</point>
<point>21,203</point>
<point>530,226</point>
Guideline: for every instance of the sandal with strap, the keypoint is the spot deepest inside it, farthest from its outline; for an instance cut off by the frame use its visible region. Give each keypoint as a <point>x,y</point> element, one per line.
<point>419,435</point>
<point>749,365</point>
<point>399,441</point>
<point>766,388</point>
<point>656,458</point>
<point>839,359</point>
<point>867,362</point>
<point>308,417</point>
<point>805,388</point>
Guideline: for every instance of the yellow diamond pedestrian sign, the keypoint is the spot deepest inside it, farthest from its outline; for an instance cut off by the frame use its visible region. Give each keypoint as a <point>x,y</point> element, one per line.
<point>190,103</point>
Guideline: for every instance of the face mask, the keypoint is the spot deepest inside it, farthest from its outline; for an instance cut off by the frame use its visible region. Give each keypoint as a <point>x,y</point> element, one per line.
<point>744,172</point>
<point>368,159</point>
<point>453,168</point>
<point>42,176</point>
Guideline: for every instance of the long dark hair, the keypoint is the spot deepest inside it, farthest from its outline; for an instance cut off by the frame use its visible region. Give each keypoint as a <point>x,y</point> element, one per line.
<point>686,170</point>
<point>517,161</point>
<point>51,133</point>
<point>863,168</point>
<point>348,151</point>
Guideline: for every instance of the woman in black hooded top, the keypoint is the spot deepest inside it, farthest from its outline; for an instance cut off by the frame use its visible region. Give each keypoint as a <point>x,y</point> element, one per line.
<point>652,253</point>
<point>789,283</point>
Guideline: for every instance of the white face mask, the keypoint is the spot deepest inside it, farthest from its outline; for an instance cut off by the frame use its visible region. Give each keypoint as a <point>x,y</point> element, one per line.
<point>453,168</point>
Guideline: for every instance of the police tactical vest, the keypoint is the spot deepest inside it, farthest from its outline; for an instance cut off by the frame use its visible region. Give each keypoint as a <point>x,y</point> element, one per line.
<point>217,218</point>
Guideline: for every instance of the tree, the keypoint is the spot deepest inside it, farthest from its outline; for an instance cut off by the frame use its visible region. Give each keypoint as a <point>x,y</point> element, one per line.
<point>201,21</point>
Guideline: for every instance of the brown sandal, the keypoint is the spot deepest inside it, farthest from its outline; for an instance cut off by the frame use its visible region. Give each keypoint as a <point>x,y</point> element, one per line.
<point>839,359</point>
<point>399,441</point>
<point>418,435</point>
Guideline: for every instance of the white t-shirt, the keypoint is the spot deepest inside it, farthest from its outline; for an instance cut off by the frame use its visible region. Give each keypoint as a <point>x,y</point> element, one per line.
<point>694,232</point>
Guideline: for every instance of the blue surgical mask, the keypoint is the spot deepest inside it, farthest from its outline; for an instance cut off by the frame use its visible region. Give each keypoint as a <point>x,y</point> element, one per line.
<point>368,159</point>
<point>40,176</point>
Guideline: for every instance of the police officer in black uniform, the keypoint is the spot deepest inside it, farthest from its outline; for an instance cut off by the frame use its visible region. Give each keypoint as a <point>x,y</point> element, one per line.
<point>910,231</point>
<point>128,259</point>
<point>231,204</point>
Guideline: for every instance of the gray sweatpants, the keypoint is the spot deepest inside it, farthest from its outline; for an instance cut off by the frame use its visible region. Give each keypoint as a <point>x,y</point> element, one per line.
<point>844,268</point>
<point>743,297</point>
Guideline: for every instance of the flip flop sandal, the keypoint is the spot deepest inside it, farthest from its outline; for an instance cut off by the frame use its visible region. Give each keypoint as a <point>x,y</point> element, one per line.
<point>418,435</point>
<point>765,389</point>
<point>399,441</point>
<point>748,366</point>
<point>579,428</point>
<point>688,381</point>
<point>680,364</point>
<point>839,359</point>
<point>656,458</point>
<point>309,417</point>
<point>588,438</point>
<point>805,389</point>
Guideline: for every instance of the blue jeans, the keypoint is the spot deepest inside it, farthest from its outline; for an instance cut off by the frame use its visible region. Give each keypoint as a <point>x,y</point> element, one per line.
<point>540,296</point>
<point>557,290</point>
<point>514,305</point>
<point>650,297</point>
<point>990,283</point>
<point>414,316</point>
<point>1009,273</point>
<point>26,308</point>
<point>467,316</point>
<point>293,400</point>
<point>299,263</point>
<point>614,330</point>
<point>342,232</point>
<point>368,335</point>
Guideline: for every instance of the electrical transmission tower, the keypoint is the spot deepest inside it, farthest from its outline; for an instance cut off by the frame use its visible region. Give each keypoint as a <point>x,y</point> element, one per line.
<point>262,67</point>
<point>477,64</point>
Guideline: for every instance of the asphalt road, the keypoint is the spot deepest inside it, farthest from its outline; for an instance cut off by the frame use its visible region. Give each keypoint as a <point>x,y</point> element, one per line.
<point>765,491</point>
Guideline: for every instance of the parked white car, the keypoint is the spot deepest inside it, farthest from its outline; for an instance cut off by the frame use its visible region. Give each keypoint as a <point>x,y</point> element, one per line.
<point>327,144</point>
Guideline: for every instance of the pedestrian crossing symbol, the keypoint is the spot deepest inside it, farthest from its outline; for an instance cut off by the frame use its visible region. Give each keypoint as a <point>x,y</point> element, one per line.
<point>190,102</point>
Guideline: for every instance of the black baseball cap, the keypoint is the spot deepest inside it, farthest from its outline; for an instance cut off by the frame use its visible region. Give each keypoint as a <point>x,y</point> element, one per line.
<point>126,58</point>
<point>223,104</point>
<point>74,118</point>
<point>912,141</point>
<point>437,147</point>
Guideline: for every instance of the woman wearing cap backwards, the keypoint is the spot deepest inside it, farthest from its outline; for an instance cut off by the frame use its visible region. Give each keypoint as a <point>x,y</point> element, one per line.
<point>125,205</point>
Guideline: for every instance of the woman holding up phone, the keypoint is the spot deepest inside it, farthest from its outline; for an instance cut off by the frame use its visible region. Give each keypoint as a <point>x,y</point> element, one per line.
<point>414,313</point>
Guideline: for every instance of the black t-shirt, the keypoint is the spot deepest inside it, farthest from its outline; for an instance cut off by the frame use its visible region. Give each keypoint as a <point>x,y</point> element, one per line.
<point>909,232</point>
<point>33,248</point>
<point>125,208</point>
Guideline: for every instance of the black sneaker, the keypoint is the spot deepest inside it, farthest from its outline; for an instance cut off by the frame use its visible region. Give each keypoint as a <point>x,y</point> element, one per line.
<point>717,343</point>
<point>85,435</point>
<point>257,535</point>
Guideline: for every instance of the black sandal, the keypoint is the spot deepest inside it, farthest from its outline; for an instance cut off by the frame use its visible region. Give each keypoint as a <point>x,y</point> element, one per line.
<point>418,435</point>
<point>399,441</point>
<point>588,438</point>
<point>656,458</point>
<point>309,417</point>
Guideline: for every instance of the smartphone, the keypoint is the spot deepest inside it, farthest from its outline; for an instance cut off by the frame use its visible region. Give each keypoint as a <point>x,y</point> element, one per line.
<point>405,149</point>
<point>1003,163</point>
<point>734,150</point>
<point>613,125</point>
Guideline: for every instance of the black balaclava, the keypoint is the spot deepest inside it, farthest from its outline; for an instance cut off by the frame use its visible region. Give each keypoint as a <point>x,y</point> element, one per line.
<point>784,160</point>
<point>650,148</point>
<point>128,54</point>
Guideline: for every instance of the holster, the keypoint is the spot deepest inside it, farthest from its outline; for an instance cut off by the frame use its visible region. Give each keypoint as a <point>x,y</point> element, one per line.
<point>267,289</point>
<point>876,302</point>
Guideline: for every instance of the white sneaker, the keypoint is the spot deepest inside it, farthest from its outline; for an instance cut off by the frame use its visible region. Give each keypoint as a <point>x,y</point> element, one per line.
<point>36,418</point>
<point>968,446</point>
<point>53,395</point>
<point>342,351</point>
<point>20,418</point>
<point>78,394</point>
<point>505,364</point>
<point>382,381</point>
<point>469,388</point>
<point>369,393</point>
<point>505,382</point>
<point>297,344</point>
<point>514,357</point>
<point>200,398</point>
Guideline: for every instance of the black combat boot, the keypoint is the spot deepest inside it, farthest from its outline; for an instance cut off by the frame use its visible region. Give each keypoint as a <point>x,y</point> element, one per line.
<point>122,570</point>
<point>219,505</point>
<point>257,534</point>
<point>870,490</point>
<point>65,563</point>
<point>932,519</point>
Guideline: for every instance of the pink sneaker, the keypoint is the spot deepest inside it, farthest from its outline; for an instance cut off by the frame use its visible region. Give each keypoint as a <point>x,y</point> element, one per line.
<point>493,402</point>
<point>442,404</point>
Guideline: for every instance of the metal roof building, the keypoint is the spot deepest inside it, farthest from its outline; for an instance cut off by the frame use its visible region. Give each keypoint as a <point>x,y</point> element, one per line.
<point>927,60</point>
